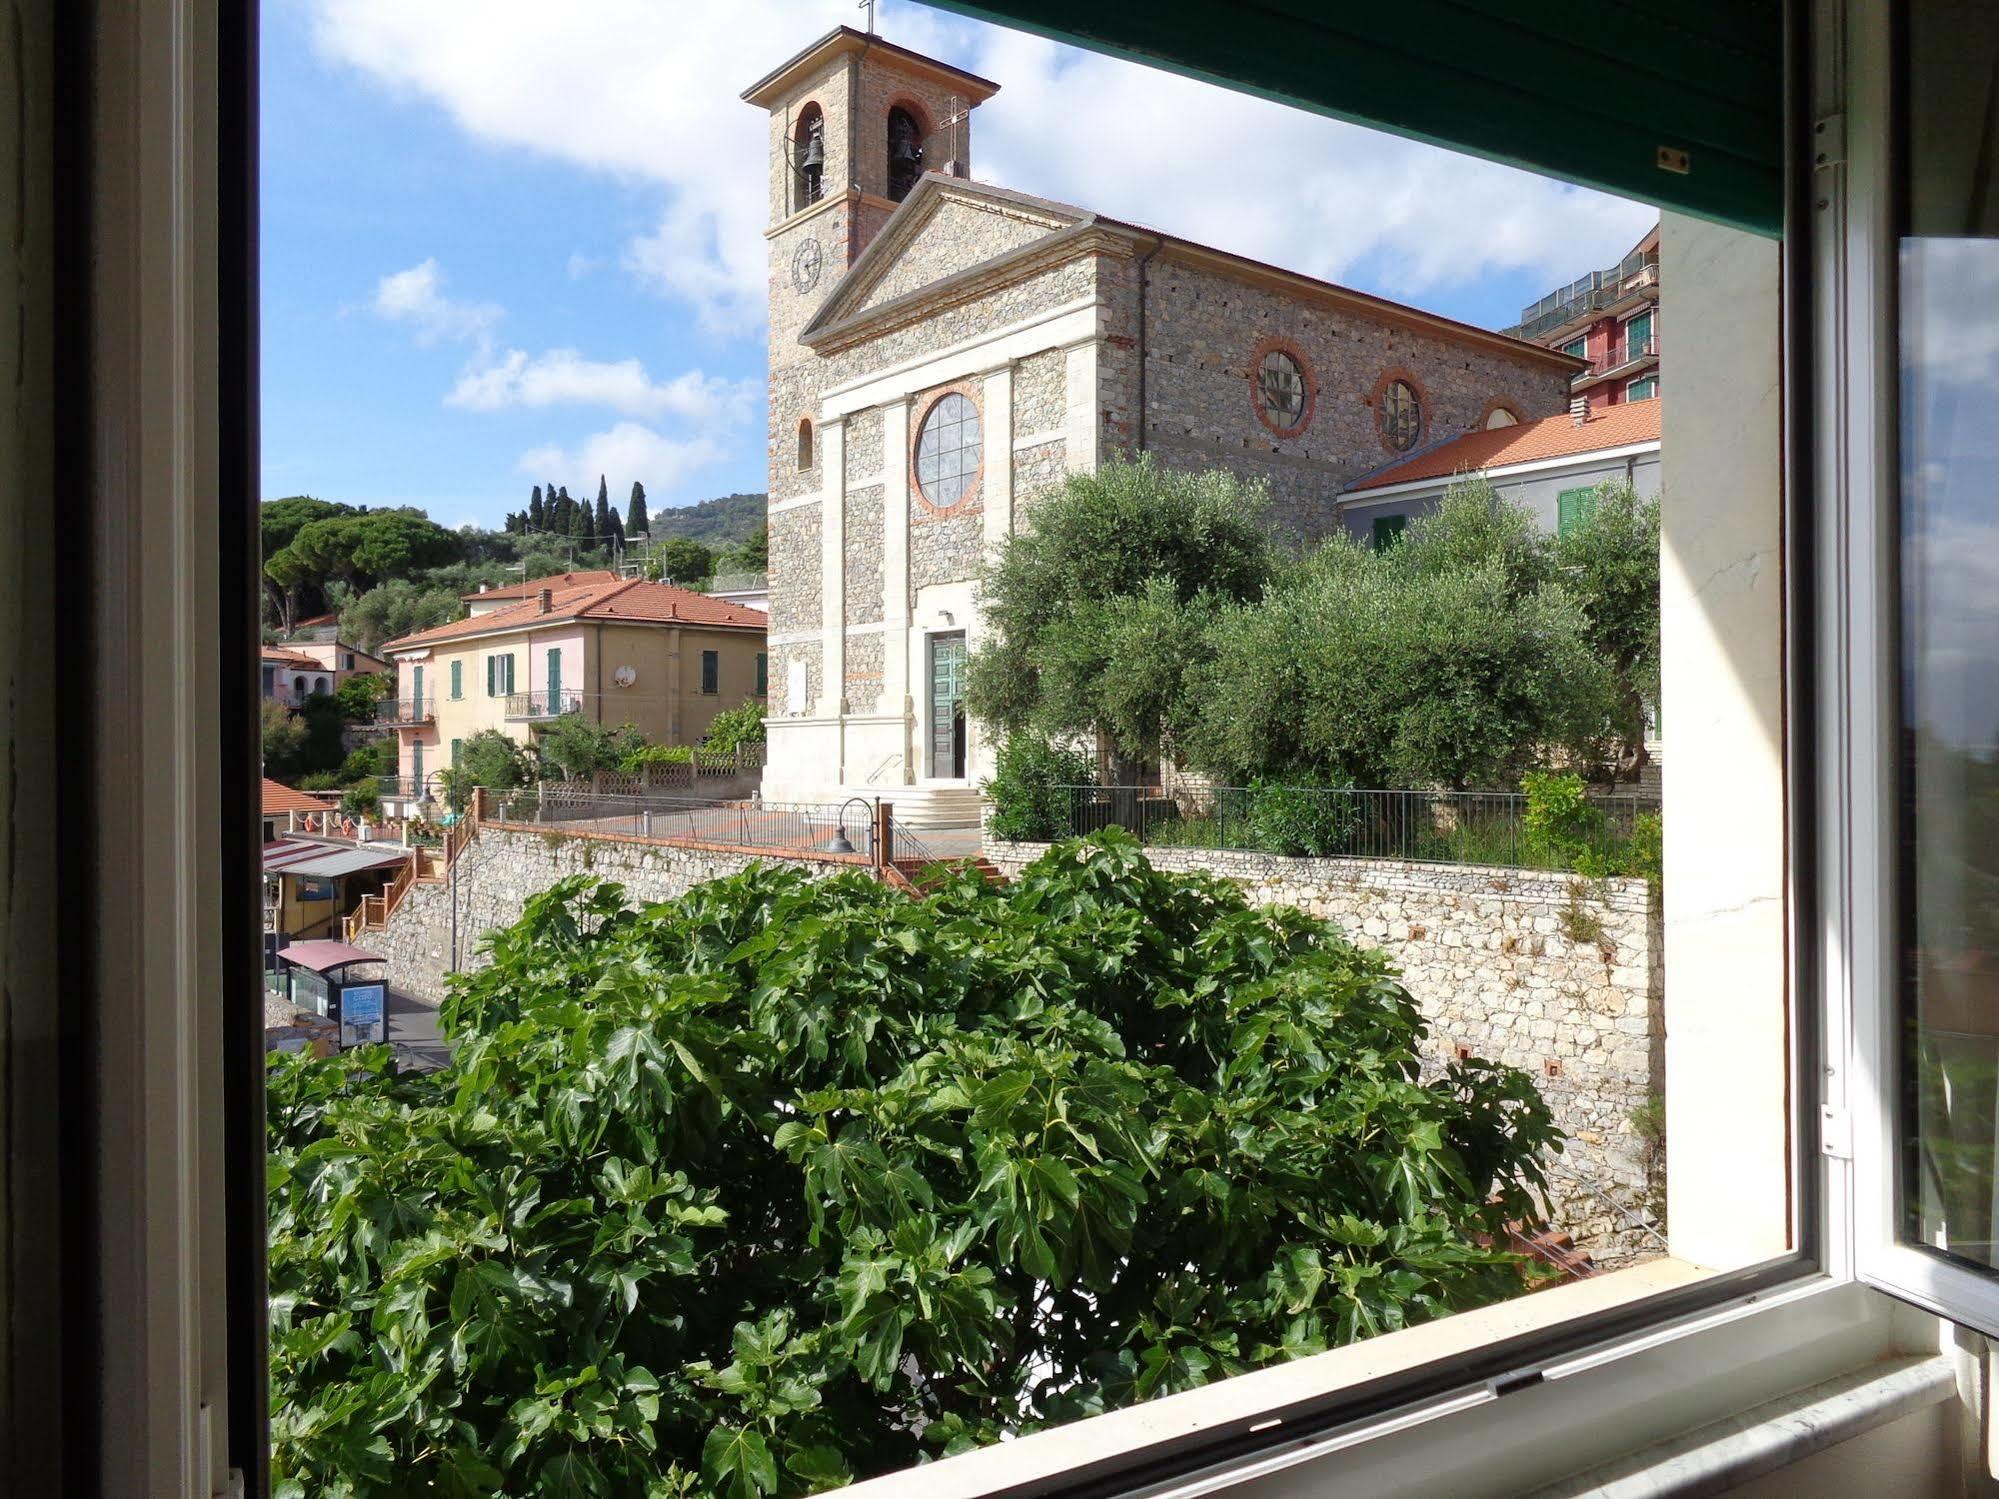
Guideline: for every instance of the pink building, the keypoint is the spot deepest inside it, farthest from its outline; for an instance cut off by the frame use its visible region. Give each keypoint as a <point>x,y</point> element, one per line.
<point>1611,318</point>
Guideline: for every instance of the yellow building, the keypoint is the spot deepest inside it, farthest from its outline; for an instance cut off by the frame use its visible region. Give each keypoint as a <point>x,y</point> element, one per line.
<point>663,659</point>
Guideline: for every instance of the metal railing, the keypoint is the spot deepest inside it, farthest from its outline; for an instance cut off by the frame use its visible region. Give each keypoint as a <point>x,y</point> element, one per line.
<point>405,710</point>
<point>1594,292</point>
<point>1622,353</point>
<point>779,827</point>
<point>1425,827</point>
<point>544,703</point>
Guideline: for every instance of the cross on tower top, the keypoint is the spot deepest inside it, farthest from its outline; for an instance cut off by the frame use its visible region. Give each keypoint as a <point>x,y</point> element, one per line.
<point>869,7</point>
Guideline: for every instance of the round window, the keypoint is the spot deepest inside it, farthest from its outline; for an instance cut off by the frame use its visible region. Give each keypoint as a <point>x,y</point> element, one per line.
<point>1401,416</point>
<point>1280,387</point>
<point>949,449</point>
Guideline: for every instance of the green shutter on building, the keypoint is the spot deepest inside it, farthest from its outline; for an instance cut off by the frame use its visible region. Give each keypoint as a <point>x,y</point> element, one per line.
<point>1573,507</point>
<point>458,679</point>
<point>492,662</point>
<point>1388,530</point>
<point>763,675</point>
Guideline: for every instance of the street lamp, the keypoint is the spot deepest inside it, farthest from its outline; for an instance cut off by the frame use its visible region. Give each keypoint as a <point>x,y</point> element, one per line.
<point>427,804</point>
<point>839,843</point>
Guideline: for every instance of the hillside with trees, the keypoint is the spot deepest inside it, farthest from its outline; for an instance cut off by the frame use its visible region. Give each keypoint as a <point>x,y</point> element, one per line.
<point>389,570</point>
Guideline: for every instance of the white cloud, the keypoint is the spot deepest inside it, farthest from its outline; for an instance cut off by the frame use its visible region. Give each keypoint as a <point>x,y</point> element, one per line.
<point>647,92</point>
<point>416,297</point>
<point>563,377</point>
<point>628,451</point>
<point>580,265</point>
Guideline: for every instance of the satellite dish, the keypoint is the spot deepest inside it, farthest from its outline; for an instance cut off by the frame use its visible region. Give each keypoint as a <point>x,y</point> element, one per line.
<point>624,676</point>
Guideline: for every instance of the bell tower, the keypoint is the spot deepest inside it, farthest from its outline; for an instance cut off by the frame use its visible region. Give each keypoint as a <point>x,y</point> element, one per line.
<point>855,122</point>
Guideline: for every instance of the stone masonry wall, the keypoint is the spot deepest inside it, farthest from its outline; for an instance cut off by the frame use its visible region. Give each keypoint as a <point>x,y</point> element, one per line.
<point>503,868</point>
<point>865,545</point>
<point>1204,331</point>
<point>1562,979</point>
<point>795,597</point>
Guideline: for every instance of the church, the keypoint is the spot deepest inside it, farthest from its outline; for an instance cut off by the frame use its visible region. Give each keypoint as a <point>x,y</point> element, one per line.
<point>944,350</point>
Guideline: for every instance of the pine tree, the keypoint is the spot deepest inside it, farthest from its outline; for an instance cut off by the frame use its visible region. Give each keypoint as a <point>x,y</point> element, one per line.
<point>617,535</point>
<point>535,517</point>
<point>563,522</point>
<point>637,523</point>
<point>579,519</point>
<point>602,519</point>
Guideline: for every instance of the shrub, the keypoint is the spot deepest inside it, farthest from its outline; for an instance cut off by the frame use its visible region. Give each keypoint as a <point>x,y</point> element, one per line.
<point>1025,798</point>
<point>1560,822</point>
<point>736,727</point>
<point>722,1195</point>
<point>1296,818</point>
<point>635,761</point>
<point>490,758</point>
<point>320,780</point>
<point>363,799</point>
<point>577,747</point>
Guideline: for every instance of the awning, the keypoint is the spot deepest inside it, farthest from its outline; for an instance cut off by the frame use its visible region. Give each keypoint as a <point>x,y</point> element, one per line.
<point>325,956</point>
<point>325,861</point>
<point>1680,105</point>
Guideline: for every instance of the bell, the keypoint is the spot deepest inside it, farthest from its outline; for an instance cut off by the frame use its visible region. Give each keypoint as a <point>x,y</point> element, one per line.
<point>902,150</point>
<point>815,153</point>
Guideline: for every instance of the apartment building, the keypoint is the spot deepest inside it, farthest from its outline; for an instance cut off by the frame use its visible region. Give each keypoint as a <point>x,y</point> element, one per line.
<point>663,659</point>
<point>1609,317</point>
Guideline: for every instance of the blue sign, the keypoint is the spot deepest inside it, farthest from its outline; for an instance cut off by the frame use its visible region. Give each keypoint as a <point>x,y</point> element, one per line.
<point>361,1013</point>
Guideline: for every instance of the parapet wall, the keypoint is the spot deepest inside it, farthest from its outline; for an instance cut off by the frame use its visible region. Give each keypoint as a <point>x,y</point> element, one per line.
<point>1563,978</point>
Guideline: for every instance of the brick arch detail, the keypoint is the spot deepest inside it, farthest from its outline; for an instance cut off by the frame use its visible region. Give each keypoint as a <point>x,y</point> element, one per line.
<point>974,492</point>
<point>1276,343</point>
<point>1423,406</point>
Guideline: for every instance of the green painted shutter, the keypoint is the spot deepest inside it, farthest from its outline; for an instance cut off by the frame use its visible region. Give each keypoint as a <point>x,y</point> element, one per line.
<point>491,663</point>
<point>458,679</point>
<point>763,675</point>
<point>555,679</point>
<point>1388,529</point>
<point>1682,105</point>
<point>1573,507</point>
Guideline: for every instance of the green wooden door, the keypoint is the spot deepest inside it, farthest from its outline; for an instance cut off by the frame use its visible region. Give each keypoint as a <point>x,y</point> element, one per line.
<point>555,679</point>
<point>416,692</point>
<point>947,705</point>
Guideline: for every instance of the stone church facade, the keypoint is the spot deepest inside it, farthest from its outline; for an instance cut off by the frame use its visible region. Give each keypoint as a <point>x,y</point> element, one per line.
<point>942,351</point>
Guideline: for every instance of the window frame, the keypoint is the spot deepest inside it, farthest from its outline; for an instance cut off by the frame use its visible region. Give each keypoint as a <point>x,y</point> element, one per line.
<point>1802,1306</point>
<point>711,673</point>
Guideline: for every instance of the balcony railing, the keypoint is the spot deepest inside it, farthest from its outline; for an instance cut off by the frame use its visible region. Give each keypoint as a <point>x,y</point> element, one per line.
<point>1597,292</point>
<point>1630,351</point>
<point>401,711</point>
<point>544,703</point>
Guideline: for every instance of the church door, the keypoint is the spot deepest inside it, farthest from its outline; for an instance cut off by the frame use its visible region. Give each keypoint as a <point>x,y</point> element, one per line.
<point>947,705</point>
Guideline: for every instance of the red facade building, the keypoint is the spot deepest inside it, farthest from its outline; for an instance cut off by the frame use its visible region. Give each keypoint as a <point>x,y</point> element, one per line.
<point>1611,318</point>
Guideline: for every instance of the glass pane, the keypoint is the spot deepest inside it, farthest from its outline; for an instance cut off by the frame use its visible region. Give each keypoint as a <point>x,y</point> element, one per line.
<point>1950,623</point>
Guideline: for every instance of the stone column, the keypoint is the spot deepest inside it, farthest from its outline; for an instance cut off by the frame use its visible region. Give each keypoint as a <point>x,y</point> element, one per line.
<point>998,481</point>
<point>895,573</point>
<point>1082,429</point>
<point>832,437</point>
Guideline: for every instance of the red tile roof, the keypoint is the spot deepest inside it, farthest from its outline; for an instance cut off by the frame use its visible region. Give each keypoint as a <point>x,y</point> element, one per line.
<point>534,586</point>
<point>317,619</point>
<point>281,798</point>
<point>1526,442</point>
<point>277,653</point>
<point>635,602</point>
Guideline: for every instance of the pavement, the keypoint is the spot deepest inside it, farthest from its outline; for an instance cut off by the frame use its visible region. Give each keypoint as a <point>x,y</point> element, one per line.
<point>413,1032</point>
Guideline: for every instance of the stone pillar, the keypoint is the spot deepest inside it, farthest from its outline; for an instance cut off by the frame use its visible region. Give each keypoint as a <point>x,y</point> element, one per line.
<point>832,437</point>
<point>895,574</point>
<point>998,481</point>
<point>1082,429</point>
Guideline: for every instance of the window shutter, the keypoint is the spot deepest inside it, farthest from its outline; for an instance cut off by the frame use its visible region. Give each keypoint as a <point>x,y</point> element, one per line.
<point>1387,528</point>
<point>458,679</point>
<point>1573,507</point>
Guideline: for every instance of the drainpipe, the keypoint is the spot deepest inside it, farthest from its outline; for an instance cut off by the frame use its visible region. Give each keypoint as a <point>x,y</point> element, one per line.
<point>1144,281</point>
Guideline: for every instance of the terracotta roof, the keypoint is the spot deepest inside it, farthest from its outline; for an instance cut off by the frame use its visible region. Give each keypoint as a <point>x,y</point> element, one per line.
<point>533,586</point>
<point>278,653</point>
<point>281,798</point>
<point>1526,442</point>
<point>317,619</point>
<point>631,602</point>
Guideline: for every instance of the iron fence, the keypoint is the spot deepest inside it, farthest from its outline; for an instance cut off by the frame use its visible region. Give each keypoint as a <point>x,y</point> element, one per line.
<point>1427,827</point>
<point>780,827</point>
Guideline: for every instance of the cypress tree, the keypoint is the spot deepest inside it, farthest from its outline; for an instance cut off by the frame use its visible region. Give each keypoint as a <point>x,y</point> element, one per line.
<point>617,535</point>
<point>637,523</point>
<point>602,519</point>
<point>534,515</point>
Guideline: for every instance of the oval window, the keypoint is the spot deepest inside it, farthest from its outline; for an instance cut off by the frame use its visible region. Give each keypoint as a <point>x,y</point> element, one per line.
<point>1280,389</point>
<point>949,450</point>
<point>1401,416</point>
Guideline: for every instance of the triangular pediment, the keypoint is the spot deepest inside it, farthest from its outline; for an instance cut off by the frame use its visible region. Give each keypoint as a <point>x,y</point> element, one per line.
<point>945,229</point>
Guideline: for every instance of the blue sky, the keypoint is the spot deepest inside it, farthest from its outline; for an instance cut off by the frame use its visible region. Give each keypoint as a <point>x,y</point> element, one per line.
<point>508,243</point>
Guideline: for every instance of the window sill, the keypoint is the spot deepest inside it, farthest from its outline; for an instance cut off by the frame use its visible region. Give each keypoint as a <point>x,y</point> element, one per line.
<point>1041,1460</point>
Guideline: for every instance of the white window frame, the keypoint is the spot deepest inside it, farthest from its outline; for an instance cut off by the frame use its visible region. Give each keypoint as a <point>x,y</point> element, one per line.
<point>1647,1375</point>
<point>1871,716</point>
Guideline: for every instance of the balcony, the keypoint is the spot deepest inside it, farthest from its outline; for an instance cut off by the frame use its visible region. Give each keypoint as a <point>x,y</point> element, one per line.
<point>535,707</point>
<point>1615,290</point>
<point>405,712</point>
<point>1626,357</point>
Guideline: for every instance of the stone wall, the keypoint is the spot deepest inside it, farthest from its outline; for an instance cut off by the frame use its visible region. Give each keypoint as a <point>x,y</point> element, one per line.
<point>1562,978</point>
<point>865,545</point>
<point>1204,330</point>
<point>503,868</point>
<point>795,546</point>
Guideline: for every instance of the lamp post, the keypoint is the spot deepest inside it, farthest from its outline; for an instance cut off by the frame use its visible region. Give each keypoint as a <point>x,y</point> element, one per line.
<point>839,843</point>
<point>428,805</point>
